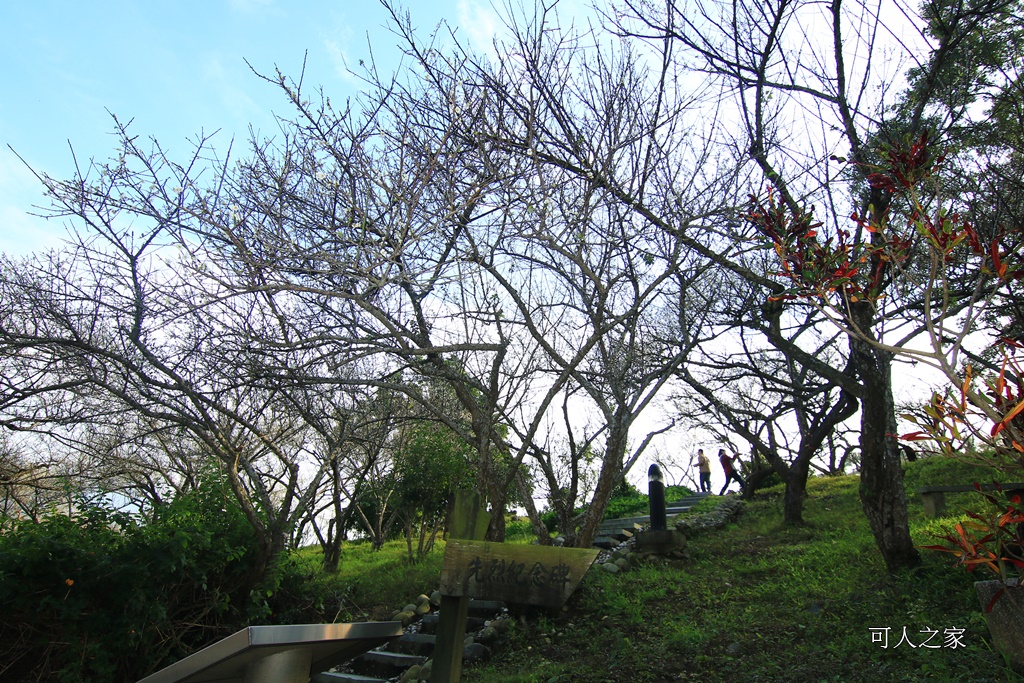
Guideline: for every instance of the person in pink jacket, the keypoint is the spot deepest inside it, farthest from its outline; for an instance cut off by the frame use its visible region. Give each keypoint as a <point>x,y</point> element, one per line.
<point>730,470</point>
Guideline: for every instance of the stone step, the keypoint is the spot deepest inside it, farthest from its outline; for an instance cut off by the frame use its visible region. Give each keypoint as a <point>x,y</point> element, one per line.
<point>675,507</point>
<point>626,522</point>
<point>384,664</point>
<point>619,534</point>
<point>485,608</point>
<point>410,649</point>
<point>429,623</point>
<point>335,677</point>
<point>607,540</point>
<point>611,532</point>
<point>414,644</point>
<point>615,527</point>
<point>684,504</point>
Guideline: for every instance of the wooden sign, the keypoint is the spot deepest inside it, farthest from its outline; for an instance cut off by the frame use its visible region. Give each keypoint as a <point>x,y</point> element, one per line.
<point>529,574</point>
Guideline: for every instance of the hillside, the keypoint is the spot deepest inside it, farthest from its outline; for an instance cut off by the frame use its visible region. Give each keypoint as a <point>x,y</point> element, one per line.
<point>758,602</point>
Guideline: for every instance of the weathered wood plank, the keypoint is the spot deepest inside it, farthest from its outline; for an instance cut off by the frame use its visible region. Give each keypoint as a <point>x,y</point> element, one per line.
<point>469,520</point>
<point>529,574</point>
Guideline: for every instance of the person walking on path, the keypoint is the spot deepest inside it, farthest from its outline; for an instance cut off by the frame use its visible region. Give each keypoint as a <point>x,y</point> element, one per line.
<point>730,470</point>
<point>705,470</point>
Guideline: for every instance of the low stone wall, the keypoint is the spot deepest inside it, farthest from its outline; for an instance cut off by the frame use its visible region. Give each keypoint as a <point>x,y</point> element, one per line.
<point>727,510</point>
<point>686,526</point>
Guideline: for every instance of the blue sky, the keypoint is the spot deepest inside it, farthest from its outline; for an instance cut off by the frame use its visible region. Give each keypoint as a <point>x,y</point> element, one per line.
<point>177,67</point>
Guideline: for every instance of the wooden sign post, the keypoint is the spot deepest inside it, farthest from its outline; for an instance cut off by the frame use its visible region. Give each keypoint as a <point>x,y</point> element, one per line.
<point>469,521</point>
<point>530,574</point>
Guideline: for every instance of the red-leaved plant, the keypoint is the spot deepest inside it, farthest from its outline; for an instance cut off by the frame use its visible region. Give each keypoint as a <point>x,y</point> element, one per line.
<point>992,540</point>
<point>956,276</point>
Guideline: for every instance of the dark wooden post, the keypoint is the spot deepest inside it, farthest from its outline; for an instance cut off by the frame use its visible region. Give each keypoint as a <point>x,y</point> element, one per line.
<point>469,521</point>
<point>656,498</point>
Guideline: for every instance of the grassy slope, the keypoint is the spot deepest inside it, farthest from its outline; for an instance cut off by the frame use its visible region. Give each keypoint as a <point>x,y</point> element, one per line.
<point>760,602</point>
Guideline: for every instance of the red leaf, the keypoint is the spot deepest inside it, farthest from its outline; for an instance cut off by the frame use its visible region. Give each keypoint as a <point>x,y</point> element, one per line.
<point>881,181</point>
<point>916,436</point>
<point>998,595</point>
<point>1014,413</point>
<point>996,260</point>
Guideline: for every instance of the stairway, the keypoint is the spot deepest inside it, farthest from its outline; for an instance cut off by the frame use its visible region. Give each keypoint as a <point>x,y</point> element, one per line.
<point>414,648</point>
<point>612,532</point>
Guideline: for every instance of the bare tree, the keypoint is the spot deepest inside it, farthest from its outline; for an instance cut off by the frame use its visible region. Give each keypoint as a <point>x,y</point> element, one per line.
<point>781,77</point>
<point>115,324</point>
<point>752,389</point>
<point>586,132</point>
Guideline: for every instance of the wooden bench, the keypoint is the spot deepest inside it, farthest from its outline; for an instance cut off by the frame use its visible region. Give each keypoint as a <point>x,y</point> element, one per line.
<point>934,497</point>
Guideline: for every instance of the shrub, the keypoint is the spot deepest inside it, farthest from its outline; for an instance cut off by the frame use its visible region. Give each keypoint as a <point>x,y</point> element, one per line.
<point>103,596</point>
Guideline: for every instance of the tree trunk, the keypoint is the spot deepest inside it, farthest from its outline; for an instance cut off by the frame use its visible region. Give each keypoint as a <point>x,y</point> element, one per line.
<point>541,531</point>
<point>796,492</point>
<point>810,442</point>
<point>881,475</point>
<point>756,474</point>
<point>599,503</point>
<point>609,478</point>
<point>408,539</point>
<point>332,549</point>
<point>270,539</point>
<point>496,530</point>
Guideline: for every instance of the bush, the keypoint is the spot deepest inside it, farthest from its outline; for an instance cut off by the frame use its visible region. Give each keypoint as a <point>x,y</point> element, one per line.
<point>103,596</point>
<point>938,470</point>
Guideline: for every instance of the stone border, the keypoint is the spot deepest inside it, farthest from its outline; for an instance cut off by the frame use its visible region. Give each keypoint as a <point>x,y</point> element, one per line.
<point>688,525</point>
<point>728,509</point>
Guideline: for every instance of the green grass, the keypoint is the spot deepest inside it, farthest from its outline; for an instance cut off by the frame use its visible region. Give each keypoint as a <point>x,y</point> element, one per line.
<point>369,585</point>
<point>757,601</point>
<point>637,504</point>
<point>762,602</point>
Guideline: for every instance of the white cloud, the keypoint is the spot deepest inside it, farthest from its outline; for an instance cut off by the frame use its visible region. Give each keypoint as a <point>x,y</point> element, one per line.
<point>481,23</point>
<point>228,83</point>
<point>340,59</point>
<point>20,193</point>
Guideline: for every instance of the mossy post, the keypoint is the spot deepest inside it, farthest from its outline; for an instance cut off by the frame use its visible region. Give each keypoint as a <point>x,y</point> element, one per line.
<point>656,498</point>
<point>469,521</point>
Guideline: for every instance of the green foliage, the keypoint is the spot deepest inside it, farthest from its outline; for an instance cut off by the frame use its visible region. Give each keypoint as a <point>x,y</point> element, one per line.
<point>987,531</point>
<point>625,490</point>
<point>550,518</point>
<point>628,501</point>
<point>705,505</point>
<point>991,539</point>
<point>519,530</point>
<point>626,506</point>
<point>103,597</point>
<point>635,504</point>
<point>434,463</point>
<point>938,470</point>
<point>369,584</point>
